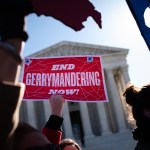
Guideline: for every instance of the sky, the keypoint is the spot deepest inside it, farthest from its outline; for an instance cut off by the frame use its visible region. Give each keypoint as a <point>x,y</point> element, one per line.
<point>119,29</point>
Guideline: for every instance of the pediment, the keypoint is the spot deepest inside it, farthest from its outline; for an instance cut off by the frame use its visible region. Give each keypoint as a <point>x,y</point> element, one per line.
<point>66,48</point>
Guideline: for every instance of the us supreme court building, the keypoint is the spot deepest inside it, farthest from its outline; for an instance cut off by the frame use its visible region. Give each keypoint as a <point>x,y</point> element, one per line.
<point>81,119</point>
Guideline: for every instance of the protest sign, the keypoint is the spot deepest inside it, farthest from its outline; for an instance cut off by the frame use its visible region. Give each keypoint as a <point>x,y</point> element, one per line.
<point>77,78</point>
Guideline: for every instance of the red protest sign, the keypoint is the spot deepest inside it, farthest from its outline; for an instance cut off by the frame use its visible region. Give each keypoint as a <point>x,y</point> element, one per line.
<point>77,78</point>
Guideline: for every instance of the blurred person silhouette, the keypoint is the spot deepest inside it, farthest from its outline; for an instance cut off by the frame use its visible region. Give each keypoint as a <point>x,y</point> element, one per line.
<point>27,137</point>
<point>139,100</point>
<point>11,96</point>
<point>69,144</point>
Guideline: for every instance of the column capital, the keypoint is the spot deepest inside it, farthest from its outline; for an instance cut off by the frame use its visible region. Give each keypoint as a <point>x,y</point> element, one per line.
<point>108,69</point>
<point>124,68</point>
<point>125,74</point>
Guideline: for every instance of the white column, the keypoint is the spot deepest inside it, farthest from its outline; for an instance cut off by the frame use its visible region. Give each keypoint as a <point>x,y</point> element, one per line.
<point>67,122</point>
<point>85,120</point>
<point>116,100</point>
<point>31,118</point>
<point>103,119</point>
<point>125,73</point>
<point>47,109</point>
<point>119,86</point>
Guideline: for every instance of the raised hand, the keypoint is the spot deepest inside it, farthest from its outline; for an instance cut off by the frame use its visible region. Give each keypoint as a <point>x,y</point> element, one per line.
<point>57,103</point>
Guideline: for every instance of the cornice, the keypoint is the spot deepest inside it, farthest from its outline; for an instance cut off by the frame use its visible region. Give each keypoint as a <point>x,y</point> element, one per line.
<point>111,56</point>
<point>76,48</point>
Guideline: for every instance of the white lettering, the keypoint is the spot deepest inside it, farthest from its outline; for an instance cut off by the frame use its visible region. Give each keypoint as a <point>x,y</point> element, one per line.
<point>28,79</point>
<point>71,66</point>
<point>33,78</point>
<point>67,91</point>
<point>44,79</point>
<point>97,80</point>
<point>63,67</point>
<point>63,79</point>
<point>52,91</point>
<point>55,67</point>
<point>70,92</point>
<point>38,79</point>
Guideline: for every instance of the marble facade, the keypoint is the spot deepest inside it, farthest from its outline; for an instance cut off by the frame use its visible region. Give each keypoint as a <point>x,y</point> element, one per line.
<point>87,119</point>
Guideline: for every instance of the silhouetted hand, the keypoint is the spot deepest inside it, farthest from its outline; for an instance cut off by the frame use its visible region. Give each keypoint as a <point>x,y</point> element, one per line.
<point>71,12</point>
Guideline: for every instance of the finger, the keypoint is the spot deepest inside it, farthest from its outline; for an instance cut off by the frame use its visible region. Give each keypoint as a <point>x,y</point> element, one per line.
<point>97,18</point>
